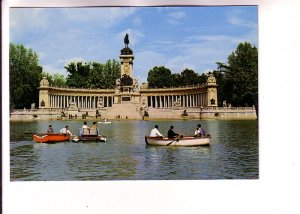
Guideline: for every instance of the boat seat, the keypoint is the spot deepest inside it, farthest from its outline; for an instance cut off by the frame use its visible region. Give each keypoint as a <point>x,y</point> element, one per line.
<point>85,131</point>
<point>93,131</point>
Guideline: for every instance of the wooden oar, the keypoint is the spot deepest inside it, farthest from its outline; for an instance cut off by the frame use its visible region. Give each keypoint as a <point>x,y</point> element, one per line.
<point>176,139</point>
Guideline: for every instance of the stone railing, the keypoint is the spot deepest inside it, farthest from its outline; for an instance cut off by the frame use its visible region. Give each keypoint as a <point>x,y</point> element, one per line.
<point>29,111</point>
<point>73,89</point>
<point>228,108</point>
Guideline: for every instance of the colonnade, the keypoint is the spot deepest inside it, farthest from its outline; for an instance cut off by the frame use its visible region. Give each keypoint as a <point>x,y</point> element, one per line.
<point>168,101</point>
<point>86,102</point>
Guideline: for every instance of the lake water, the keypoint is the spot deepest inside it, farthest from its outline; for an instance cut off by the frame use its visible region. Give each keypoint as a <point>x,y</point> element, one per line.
<point>233,153</point>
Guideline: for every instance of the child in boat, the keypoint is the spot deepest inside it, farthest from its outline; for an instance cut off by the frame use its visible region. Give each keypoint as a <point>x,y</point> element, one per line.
<point>66,131</point>
<point>50,130</point>
<point>199,131</point>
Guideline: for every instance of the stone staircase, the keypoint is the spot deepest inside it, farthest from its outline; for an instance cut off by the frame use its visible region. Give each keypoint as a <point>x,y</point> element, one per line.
<point>128,110</point>
<point>164,113</point>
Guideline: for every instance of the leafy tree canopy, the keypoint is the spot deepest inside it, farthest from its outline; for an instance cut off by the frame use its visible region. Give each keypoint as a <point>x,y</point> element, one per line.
<point>160,77</point>
<point>25,75</point>
<point>238,79</point>
<point>57,80</point>
<point>92,74</point>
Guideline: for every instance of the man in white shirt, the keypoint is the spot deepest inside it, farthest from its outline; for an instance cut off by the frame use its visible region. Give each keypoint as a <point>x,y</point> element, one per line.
<point>65,130</point>
<point>85,130</point>
<point>155,133</point>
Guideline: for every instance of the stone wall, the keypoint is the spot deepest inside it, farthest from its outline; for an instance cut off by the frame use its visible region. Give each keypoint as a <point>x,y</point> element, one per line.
<point>240,113</point>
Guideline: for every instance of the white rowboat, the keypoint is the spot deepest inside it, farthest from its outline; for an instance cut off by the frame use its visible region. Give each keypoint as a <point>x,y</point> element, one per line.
<point>103,122</point>
<point>184,141</point>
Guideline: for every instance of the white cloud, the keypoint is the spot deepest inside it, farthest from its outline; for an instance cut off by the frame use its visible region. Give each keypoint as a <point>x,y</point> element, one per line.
<point>105,16</point>
<point>25,20</point>
<point>137,21</point>
<point>175,17</point>
<point>235,18</point>
<point>134,36</point>
<point>145,61</point>
<point>51,69</point>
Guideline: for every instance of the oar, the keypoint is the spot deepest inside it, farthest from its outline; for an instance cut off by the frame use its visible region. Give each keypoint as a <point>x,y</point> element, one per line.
<point>176,139</point>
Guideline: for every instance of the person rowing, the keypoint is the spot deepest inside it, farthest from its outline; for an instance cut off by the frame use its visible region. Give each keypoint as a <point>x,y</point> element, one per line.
<point>66,130</point>
<point>171,133</point>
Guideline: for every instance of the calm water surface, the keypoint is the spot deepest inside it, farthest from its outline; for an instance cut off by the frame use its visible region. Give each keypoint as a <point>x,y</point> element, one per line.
<point>233,153</point>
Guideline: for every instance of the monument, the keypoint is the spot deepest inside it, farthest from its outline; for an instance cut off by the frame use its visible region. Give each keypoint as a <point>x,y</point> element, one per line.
<point>127,88</point>
<point>127,99</point>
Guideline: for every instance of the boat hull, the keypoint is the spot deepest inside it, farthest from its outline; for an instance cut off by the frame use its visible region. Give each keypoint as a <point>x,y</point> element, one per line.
<point>89,138</point>
<point>184,141</point>
<point>51,138</point>
<point>108,122</point>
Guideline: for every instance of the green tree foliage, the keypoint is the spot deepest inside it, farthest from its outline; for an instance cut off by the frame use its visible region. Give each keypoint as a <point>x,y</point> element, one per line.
<point>189,77</point>
<point>160,77</point>
<point>238,79</point>
<point>25,75</point>
<point>92,74</point>
<point>57,80</point>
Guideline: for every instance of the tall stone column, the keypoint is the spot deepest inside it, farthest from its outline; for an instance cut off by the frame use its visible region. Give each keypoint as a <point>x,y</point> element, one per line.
<point>211,90</point>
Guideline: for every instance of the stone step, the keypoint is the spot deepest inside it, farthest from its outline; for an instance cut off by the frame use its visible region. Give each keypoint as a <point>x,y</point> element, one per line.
<point>125,110</point>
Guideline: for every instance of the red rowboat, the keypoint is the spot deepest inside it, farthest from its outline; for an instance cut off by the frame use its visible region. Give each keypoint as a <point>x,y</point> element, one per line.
<point>51,138</point>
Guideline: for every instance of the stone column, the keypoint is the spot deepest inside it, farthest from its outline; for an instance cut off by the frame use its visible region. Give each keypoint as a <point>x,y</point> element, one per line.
<point>166,102</point>
<point>194,101</point>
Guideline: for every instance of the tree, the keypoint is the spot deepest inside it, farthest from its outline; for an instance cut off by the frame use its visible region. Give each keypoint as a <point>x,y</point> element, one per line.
<point>189,77</point>
<point>57,80</point>
<point>159,77</point>
<point>78,74</point>
<point>25,75</point>
<point>238,79</point>
<point>92,74</point>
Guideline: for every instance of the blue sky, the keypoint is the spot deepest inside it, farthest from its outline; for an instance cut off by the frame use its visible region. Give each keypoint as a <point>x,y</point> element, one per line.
<point>174,37</point>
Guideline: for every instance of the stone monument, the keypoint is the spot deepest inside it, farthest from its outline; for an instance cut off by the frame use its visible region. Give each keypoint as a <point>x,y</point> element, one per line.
<point>127,88</point>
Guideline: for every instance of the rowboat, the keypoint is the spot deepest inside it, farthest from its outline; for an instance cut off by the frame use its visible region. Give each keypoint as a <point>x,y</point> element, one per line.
<point>104,122</point>
<point>181,141</point>
<point>89,138</point>
<point>51,138</point>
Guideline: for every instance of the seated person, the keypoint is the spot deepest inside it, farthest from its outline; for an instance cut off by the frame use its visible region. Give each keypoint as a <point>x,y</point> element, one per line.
<point>199,131</point>
<point>85,129</point>
<point>155,133</point>
<point>50,130</point>
<point>171,133</point>
<point>65,130</point>
<point>94,130</point>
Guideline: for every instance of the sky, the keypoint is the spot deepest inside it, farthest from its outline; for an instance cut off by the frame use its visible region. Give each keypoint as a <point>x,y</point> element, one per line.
<point>174,37</point>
